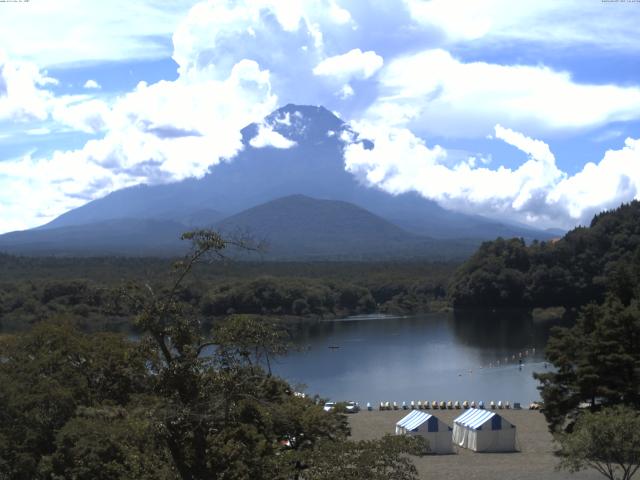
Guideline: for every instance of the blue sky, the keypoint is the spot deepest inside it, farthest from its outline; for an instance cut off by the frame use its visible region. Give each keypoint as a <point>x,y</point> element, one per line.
<point>526,111</point>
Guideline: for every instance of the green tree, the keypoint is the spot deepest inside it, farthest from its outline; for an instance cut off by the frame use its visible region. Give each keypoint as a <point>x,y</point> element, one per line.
<point>252,338</point>
<point>608,441</point>
<point>108,443</point>
<point>220,414</point>
<point>383,459</point>
<point>597,361</point>
<point>493,277</point>
<point>46,374</point>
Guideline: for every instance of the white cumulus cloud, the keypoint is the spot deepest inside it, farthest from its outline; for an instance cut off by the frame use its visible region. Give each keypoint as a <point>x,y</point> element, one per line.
<point>536,191</point>
<point>353,64</point>
<point>268,137</point>
<point>346,91</point>
<point>23,92</point>
<point>69,32</point>
<point>606,184</point>
<point>536,149</point>
<point>92,84</point>
<point>85,115</point>
<point>566,23</point>
<point>434,93</point>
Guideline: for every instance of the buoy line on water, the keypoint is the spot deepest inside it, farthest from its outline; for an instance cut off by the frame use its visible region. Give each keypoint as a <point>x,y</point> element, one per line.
<point>509,361</point>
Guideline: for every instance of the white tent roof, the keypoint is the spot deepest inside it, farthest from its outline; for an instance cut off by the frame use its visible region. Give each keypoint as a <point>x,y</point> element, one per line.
<point>484,431</point>
<point>474,418</point>
<point>438,433</point>
<point>413,420</point>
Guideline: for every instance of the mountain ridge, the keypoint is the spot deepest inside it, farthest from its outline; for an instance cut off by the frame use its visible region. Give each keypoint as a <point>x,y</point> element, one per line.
<point>313,167</point>
<point>295,227</point>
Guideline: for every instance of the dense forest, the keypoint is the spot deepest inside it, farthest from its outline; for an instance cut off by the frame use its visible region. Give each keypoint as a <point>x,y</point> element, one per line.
<point>92,290</point>
<point>570,272</point>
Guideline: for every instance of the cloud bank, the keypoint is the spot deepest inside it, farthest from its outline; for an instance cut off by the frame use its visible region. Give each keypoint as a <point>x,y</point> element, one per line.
<point>560,24</point>
<point>402,86</point>
<point>537,190</point>
<point>450,98</point>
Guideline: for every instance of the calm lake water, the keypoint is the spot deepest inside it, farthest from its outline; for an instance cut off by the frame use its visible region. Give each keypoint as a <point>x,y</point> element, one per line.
<point>428,357</point>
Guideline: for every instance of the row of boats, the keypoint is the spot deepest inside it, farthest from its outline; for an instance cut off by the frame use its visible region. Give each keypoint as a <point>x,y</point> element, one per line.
<point>442,405</point>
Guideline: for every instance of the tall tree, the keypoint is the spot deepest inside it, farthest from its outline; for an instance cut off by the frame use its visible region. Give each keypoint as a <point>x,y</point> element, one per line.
<point>46,375</point>
<point>597,362</point>
<point>221,414</point>
<point>608,441</point>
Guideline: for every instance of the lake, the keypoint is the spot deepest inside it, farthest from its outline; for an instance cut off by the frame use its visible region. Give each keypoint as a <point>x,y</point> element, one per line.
<point>443,356</point>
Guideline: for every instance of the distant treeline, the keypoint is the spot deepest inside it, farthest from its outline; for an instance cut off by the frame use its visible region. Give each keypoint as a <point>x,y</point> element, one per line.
<point>573,271</point>
<point>93,290</point>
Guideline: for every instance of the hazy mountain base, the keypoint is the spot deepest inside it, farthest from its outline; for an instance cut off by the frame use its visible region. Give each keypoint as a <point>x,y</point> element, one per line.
<point>290,228</point>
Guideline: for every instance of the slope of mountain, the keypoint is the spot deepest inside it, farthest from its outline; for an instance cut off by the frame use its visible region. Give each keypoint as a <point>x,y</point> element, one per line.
<point>313,167</point>
<point>298,226</point>
<point>110,237</point>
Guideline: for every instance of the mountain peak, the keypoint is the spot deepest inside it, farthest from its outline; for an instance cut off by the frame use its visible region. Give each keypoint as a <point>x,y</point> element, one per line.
<point>299,123</point>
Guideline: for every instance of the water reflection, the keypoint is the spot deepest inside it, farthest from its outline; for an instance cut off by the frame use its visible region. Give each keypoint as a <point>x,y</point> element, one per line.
<point>468,355</point>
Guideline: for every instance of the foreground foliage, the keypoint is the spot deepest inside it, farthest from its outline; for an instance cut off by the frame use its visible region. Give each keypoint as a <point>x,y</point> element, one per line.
<point>597,362</point>
<point>178,404</point>
<point>384,459</point>
<point>608,441</point>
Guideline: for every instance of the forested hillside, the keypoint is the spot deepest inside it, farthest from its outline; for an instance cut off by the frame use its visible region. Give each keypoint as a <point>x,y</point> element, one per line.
<point>572,271</point>
<point>92,290</point>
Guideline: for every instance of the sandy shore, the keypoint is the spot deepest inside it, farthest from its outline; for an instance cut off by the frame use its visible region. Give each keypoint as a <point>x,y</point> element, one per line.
<point>533,461</point>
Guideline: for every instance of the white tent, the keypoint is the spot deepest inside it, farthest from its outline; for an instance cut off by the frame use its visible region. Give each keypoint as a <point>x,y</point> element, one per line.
<point>437,433</point>
<point>484,431</point>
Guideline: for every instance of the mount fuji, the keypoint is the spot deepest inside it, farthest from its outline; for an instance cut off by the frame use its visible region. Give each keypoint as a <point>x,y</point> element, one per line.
<point>301,200</point>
